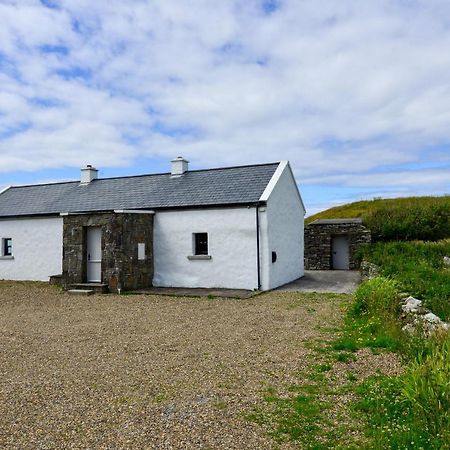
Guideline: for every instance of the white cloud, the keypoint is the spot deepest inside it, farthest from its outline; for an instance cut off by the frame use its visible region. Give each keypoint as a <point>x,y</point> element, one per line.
<point>424,178</point>
<point>339,88</point>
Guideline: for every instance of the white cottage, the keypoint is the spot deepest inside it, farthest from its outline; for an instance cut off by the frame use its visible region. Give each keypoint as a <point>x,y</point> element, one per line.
<point>234,227</point>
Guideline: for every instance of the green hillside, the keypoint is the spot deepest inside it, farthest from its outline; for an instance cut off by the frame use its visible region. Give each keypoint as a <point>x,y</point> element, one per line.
<point>409,218</point>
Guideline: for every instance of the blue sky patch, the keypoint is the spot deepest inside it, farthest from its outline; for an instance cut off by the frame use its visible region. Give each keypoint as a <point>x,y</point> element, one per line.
<point>53,4</point>
<point>58,49</point>
<point>270,6</point>
<point>45,102</point>
<point>7,66</point>
<point>12,131</point>
<point>173,131</point>
<point>74,73</point>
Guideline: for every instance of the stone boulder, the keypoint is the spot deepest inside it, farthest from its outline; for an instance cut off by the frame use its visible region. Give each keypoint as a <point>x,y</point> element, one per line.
<point>412,305</point>
<point>428,323</point>
<point>418,318</point>
<point>368,270</point>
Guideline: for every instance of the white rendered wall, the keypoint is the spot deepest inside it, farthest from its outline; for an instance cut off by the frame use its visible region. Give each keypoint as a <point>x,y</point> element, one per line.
<point>37,248</point>
<point>232,246</point>
<point>282,231</point>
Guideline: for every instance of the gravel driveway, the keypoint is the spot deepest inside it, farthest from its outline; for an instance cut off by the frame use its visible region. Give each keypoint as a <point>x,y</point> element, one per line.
<point>135,372</point>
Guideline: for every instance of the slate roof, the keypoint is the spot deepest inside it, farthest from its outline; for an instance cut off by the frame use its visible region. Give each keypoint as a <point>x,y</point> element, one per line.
<point>213,187</point>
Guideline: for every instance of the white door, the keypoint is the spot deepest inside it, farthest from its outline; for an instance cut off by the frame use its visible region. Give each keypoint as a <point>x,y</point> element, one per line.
<point>94,254</point>
<point>340,253</point>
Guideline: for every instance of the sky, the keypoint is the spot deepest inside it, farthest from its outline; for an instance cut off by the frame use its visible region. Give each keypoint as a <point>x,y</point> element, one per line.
<point>355,94</point>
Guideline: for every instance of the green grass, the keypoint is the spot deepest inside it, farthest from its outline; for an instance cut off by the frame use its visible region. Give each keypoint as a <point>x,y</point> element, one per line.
<point>371,332</point>
<point>375,297</point>
<point>410,411</point>
<point>410,218</point>
<point>370,320</point>
<point>300,417</point>
<point>418,268</point>
<point>391,423</point>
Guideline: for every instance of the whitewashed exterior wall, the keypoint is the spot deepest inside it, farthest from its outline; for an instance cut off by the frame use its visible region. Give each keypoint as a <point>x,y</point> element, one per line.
<point>282,231</point>
<point>37,248</point>
<point>37,243</point>
<point>232,246</point>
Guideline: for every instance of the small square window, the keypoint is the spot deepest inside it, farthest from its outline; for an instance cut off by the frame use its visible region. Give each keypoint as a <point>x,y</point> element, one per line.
<point>7,247</point>
<point>200,243</point>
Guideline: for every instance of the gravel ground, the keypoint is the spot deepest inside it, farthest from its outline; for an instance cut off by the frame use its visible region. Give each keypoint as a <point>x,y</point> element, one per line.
<point>146,372</point>
<point>366,364</point>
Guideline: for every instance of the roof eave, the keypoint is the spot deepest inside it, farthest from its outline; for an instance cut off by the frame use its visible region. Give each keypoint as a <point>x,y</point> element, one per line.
<point>136,210</point>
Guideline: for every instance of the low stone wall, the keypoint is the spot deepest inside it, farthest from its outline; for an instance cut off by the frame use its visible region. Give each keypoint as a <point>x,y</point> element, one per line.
<point>121,234</point>
<point>420,319</point>
<point>318,239</point>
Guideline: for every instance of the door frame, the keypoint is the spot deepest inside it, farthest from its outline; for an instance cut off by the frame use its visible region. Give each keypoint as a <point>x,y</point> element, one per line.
<point>339,235</point>
<point>85,254</point>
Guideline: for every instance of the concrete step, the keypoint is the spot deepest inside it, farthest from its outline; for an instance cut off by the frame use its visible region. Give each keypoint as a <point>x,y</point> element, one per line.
<point>98,288</point>
<point>80,292</point>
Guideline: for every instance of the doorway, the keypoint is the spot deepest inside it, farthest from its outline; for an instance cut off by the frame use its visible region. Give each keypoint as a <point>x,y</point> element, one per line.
<point>340,253</point>
<point>94,254</point>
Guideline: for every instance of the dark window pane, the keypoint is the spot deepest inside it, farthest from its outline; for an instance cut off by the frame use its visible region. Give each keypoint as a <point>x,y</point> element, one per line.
<point>201,243</point>
<point>7,247</point>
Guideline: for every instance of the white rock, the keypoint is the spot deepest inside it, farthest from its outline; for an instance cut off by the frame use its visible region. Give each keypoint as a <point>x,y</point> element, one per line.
<point>409,328</point>
<point>432,318</point>
<point>432,323</point>
<point>446,261</point>
<point>412,305</point>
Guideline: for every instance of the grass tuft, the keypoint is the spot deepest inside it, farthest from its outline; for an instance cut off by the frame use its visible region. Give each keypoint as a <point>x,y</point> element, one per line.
<point>418,268</point>
<point>407,411</point>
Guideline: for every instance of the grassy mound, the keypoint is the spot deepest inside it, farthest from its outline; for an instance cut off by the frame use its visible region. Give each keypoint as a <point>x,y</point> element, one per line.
<point>411,218</point>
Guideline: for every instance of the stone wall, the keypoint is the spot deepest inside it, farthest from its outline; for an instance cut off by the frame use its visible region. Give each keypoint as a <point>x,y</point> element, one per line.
<point>318,239</point>
<point>121,234</point>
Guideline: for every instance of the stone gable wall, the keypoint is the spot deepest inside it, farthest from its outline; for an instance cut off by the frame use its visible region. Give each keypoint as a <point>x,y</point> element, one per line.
<point>121,234</point>
<point>318,243</point>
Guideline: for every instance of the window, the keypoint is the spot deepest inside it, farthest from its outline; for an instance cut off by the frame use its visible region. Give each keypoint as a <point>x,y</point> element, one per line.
<point>200,243</point>
<point>7,247</point>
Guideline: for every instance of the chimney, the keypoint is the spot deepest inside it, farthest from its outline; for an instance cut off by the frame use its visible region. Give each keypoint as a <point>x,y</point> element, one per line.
<point>179,166</point>
<point>88,174</point>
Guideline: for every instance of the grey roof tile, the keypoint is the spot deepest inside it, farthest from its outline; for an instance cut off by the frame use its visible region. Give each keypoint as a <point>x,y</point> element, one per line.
<point>232,185</point>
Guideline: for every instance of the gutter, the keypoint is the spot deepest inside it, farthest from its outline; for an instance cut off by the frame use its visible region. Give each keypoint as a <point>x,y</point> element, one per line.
<point>258,262</point>
<point>134,211</point>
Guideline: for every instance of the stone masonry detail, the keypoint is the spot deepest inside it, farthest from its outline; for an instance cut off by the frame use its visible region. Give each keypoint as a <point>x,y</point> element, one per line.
<point>121,233</point>
<point>318,237</point>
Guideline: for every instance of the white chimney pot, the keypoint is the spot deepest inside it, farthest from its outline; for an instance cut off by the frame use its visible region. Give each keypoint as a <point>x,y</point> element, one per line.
<point>179,166</point>
<point>88,174</point>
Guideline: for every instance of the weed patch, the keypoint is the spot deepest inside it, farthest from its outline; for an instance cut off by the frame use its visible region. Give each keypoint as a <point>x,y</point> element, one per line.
<point>407,411</point>
<point>418,268</point>
<point>391,419</point>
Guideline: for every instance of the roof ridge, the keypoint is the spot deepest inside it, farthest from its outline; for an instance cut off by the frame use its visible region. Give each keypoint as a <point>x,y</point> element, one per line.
<point>191,171</point>
<point>145,175</point>
<point>50,183</point>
